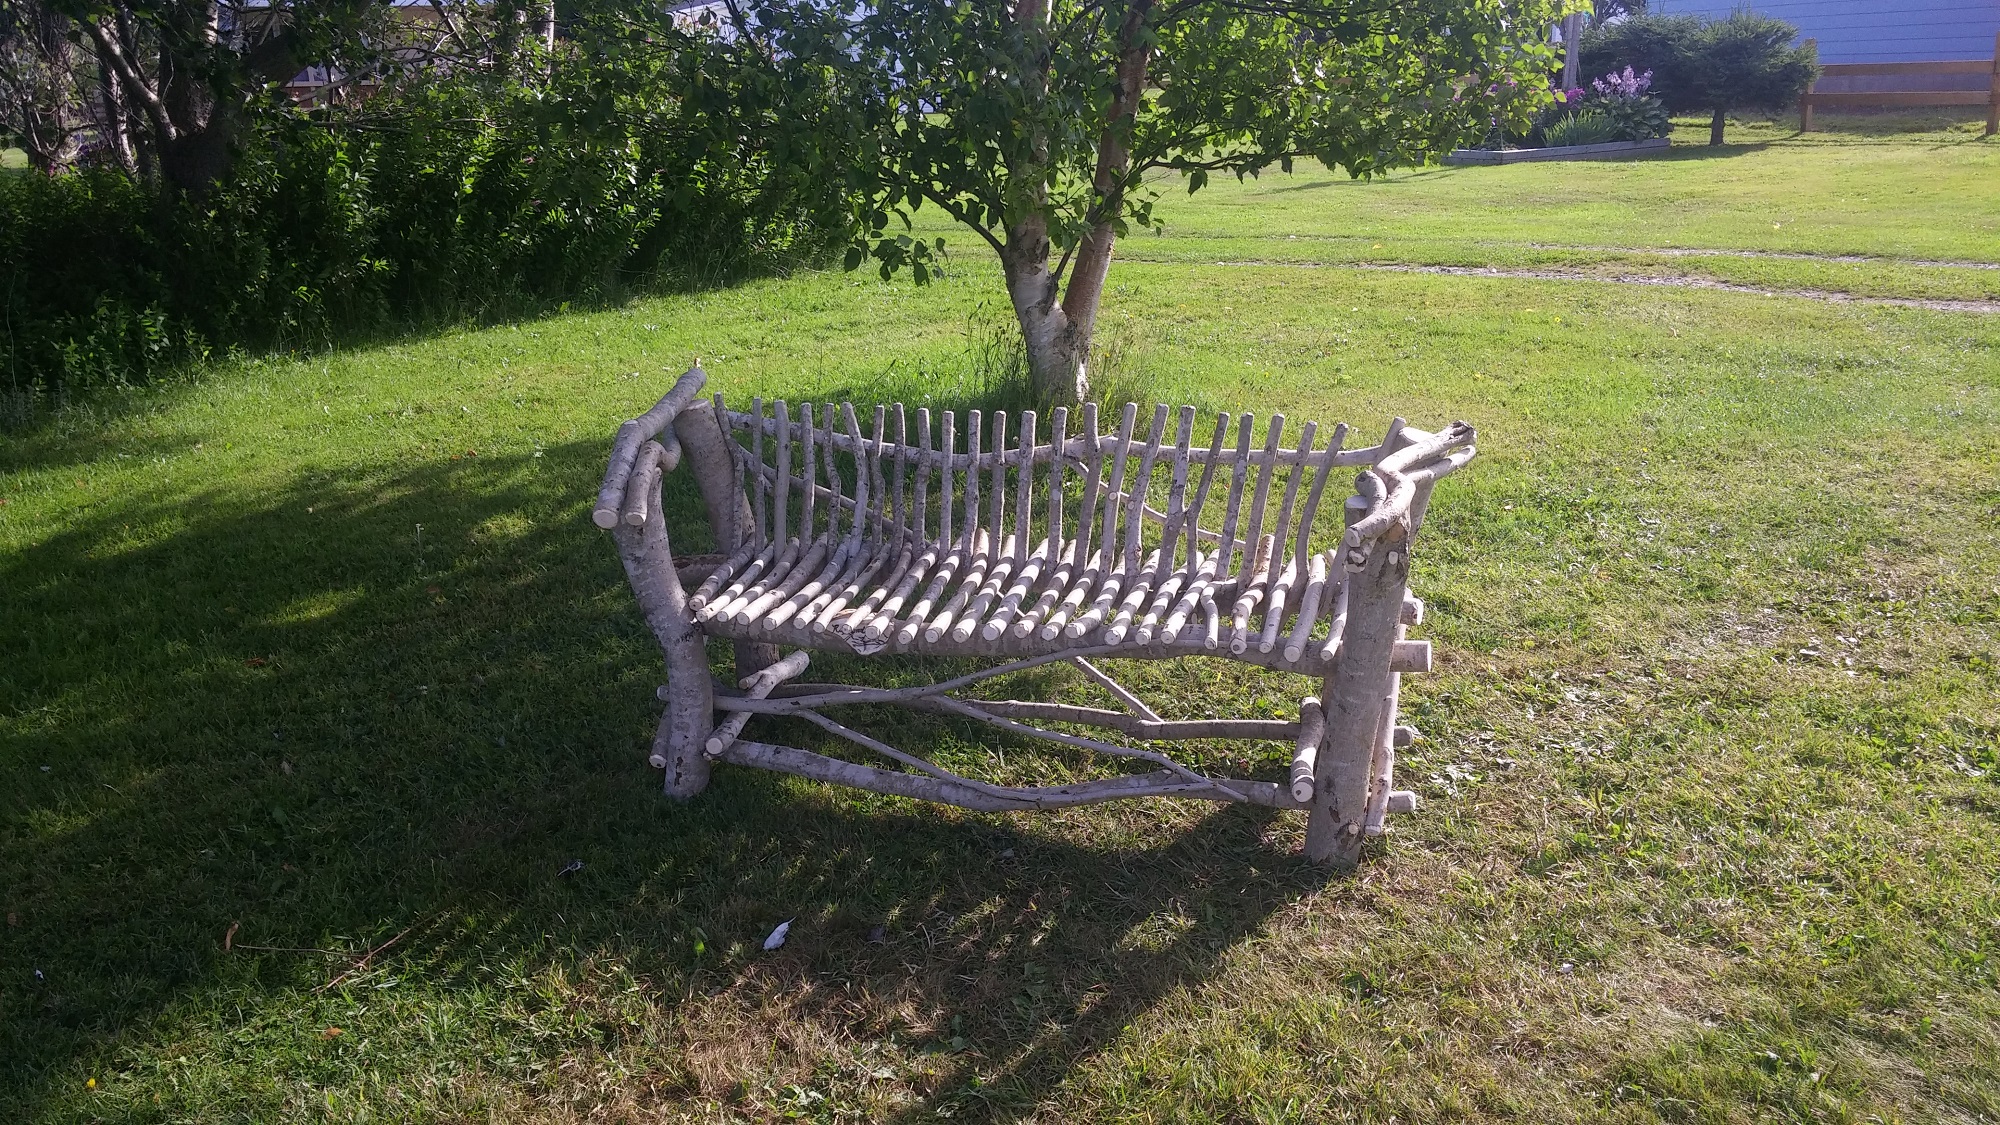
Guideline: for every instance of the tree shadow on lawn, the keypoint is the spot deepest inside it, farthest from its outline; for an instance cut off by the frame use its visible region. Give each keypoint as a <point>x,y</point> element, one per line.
<point>370,702</point>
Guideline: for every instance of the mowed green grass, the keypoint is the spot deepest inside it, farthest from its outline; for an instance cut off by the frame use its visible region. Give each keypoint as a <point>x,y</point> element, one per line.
<point>325,650</point>
<point>1772,209</point>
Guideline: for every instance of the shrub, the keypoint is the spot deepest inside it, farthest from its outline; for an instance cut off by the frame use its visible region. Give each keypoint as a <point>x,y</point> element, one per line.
<point>1745,61</point>
<point>451,197</point>
<point>1587,128</point>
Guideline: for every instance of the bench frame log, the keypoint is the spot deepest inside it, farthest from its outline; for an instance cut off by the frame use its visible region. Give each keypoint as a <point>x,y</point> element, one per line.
<point>1028,565</point>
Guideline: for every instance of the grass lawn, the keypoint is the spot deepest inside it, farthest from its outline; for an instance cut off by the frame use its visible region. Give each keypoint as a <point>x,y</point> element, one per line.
<point>322,652</point>
<point>1771,209</point>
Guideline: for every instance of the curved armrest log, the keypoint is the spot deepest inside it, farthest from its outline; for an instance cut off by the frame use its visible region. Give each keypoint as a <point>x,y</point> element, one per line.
<point>1399,485</point>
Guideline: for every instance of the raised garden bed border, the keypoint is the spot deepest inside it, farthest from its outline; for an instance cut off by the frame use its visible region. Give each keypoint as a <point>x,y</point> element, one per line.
<point>1605,151</point>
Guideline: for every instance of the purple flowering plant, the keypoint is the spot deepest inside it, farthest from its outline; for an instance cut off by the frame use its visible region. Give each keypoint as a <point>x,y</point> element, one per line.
<point>1622,97</point>
<point>1622,84</point>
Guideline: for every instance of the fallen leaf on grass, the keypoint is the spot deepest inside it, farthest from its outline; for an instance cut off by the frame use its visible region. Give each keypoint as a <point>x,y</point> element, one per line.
<point>331,1032</point>
<point>777,937</point>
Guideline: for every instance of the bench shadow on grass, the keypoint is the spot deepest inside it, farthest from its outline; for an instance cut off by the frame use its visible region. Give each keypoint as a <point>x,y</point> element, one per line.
<point>296,713</point>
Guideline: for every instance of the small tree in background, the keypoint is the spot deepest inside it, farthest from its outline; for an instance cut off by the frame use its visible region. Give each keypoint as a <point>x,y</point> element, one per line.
<point>1604,11</point>
<point>1036,122</point>
<point>1744,62</point>
<point>1748,62</point>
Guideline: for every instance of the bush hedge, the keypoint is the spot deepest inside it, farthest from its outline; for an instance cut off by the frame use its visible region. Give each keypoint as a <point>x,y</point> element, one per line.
<point>446,199</point>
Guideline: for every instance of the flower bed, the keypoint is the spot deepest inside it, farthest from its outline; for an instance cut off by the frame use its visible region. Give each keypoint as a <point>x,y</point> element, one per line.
<point>1615,115</point>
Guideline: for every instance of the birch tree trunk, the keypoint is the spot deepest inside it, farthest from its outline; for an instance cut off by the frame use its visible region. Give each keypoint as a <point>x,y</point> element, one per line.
<point>1057,335</point>
<point>37,74</point>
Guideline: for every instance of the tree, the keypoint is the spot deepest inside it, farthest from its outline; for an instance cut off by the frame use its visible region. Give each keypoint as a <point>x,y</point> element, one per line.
<point>1035,123</point>
<point>1604,11</point>
<point>188,72</point>
<point>1748,62</point>
<point>1743,62</point>
<point>38,76</point>
<point>170,87</point>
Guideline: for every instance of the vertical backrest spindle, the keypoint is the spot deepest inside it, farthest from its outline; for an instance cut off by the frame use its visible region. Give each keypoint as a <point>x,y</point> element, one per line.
<point>760,487</point>
<point>970,537</point>
<point>1135,507</point>
<point>1107,535</point>
<point>949,425</point>
<point>1253,539</point>
<point>1170,528</point>
<point>1304,547</point>
<point>1199,505</point>
<point>864,470</point>
<point>1058,438</point>
<point>1024,497</point>
<point>1281,544</point>
<point>1238,470</point>
<point>996,527</point>
<point>920,504</point>
<point>781,509</point>
<point>899,515</point>
<point>1093,445</point>
<point>808,473</point>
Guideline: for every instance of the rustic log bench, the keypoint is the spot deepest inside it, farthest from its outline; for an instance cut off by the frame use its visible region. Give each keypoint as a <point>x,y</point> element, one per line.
<point>961,538</point>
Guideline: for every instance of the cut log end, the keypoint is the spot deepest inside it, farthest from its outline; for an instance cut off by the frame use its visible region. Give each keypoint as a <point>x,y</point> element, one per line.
<point>605,518</point>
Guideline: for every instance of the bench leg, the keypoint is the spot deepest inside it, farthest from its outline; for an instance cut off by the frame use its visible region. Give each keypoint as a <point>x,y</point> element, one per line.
<point>1354,697</point>
<point>689,695</point>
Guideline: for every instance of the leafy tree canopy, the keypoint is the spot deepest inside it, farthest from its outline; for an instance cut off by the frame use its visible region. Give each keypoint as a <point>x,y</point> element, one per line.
<point>1036,123</point>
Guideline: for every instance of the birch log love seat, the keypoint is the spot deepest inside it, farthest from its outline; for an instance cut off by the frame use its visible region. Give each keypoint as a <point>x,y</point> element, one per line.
<point>954,536</point>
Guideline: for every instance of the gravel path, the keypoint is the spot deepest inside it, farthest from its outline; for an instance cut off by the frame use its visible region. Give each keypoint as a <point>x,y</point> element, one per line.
<point>1623,278</point>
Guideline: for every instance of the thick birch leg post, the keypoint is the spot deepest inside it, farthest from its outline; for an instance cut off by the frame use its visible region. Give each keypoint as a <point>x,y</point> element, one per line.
<point>1352,698</point>
<point>690,715</point>
<point>710,456</point>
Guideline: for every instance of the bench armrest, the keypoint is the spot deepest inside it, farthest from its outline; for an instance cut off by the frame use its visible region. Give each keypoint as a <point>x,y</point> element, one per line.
<point>635,452</point>
<point>1399,486</point>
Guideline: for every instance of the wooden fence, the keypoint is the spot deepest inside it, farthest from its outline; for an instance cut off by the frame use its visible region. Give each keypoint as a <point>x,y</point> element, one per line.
<point>1898,85</point>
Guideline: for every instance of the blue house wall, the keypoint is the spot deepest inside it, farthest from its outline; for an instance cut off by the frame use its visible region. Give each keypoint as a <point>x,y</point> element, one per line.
<point>1861,31</point>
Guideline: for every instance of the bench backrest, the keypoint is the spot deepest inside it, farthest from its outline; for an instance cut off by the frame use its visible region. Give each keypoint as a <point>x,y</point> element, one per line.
<point>1000,485</point>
